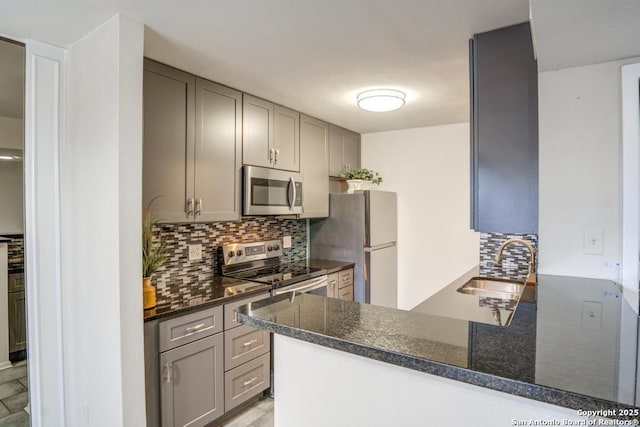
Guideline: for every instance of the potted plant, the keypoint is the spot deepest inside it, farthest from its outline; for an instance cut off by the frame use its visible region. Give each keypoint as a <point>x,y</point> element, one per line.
<point>154,255</point>
<point>360,179</point>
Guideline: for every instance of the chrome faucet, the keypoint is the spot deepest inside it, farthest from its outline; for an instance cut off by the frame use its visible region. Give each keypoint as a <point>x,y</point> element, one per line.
<point>532,252</point>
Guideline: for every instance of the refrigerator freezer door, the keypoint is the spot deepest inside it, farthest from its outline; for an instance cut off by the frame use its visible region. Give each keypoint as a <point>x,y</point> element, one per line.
<point>381,215</point>
<point>381,276</point>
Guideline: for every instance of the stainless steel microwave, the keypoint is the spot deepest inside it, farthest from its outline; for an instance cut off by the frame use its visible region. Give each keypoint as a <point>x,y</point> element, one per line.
<point>271,191</point>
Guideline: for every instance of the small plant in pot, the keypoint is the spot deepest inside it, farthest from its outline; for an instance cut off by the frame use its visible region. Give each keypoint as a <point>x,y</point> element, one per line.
<point>360,179</point>
<point>154,255</point>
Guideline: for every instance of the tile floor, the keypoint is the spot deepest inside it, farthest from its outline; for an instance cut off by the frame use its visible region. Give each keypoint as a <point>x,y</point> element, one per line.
<point>260,414</point>
<point>14,396</point>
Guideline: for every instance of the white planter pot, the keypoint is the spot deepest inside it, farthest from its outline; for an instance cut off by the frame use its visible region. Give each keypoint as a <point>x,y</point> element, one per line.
<point>358,185</point>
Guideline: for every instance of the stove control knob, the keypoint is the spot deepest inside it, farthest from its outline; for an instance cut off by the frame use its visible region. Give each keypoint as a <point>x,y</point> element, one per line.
<point>239,252</point>
<point>230,254</point>
<point>276,247</point>
<point>269,248</point>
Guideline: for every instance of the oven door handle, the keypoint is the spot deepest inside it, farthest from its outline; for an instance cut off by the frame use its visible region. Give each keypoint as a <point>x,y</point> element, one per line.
<point>316,284</point>
<point>292,200</point>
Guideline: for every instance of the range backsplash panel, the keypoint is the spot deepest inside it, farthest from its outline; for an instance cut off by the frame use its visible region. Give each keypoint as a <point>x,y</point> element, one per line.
<point>515,260</point>
<point>179,278</point>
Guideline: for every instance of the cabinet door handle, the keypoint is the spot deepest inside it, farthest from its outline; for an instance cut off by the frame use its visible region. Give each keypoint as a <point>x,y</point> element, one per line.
<point>271,151</point>
<point>246,383</point>
<point>166,372</point>
<point>277,155</point>
<point>189,207</point>
<point>198,206</point>
<point>250,343</point>
<point>194,328</point>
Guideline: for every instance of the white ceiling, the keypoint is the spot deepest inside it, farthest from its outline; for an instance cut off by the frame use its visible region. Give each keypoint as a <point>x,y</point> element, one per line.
<point>571,33</point>
<point>314,55</point>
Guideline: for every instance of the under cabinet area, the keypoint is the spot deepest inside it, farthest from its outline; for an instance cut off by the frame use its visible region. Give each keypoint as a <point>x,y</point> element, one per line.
<point>271,135</point>
<point>344,150</point>
<point>192,147</point>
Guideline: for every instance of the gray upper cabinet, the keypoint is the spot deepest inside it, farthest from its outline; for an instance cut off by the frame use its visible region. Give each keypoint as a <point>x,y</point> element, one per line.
<point>314,165</point>
<point>169,140</point>
<point>218,152</point>
<point>286,138</point>
<point>257,132</point>
<point>344,150</point>
<point>504,131</point>
<point>271,135</point>
<point>192,146</point>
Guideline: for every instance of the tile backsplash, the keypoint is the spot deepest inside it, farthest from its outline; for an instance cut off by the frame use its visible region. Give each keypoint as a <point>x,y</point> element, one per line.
<point>179,273</point>
<point>515,260</point>
<point>16,252</point>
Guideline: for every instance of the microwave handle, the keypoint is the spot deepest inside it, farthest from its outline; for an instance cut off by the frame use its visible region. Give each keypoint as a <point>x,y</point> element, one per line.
<point>292,201</point>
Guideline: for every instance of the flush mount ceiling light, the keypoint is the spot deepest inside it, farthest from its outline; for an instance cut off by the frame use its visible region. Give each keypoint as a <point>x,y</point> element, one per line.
<point>381,100</point>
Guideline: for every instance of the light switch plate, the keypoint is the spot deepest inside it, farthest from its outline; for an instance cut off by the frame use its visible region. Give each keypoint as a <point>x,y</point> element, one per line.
<point>286,242</point>
<point>195,252</point>
<point>594,241</point>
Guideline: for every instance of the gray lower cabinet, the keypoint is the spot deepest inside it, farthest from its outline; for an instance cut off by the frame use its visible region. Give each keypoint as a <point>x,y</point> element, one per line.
<point>314,165</point>
<point>243,344</point>
<point>332,285</point>
<point>271,135</point>
<point>504,131</point>
<point>192,146</point>
<point>191,390</point>
<point>247,380</point>
<point>344,150</point>
<point>345,284</point>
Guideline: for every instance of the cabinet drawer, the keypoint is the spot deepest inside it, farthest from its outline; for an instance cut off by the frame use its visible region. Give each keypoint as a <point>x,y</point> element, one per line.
<point>332,285</point>
<point>245,381</point>
<point>188,328</point>
<point>345,278</point>
<point>244,343</point>
<point>346,293</point>
<point>229,309</point>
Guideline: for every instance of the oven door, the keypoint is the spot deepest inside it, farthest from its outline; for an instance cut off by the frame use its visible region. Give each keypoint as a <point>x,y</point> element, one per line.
<point>271,192</point>
<point>316,286</point>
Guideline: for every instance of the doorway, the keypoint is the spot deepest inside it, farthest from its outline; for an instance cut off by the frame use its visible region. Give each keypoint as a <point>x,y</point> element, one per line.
<point>14,396</point>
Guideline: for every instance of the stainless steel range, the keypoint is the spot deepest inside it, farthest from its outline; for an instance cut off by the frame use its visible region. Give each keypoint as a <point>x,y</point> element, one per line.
<point>260,262</point>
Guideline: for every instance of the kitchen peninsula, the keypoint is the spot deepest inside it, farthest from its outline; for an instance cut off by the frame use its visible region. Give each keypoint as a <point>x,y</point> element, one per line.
<point>361,359</point>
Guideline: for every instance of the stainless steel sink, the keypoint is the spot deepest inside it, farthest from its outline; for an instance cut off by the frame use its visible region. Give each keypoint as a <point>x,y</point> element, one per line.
<point>494,288</point>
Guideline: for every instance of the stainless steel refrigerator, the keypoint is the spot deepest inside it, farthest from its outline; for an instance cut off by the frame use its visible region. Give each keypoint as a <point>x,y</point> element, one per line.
<point>362,228</point>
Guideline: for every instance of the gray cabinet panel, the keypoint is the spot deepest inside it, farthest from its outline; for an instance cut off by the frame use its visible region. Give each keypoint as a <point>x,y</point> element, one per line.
<point>230,309</point>
<point>257,132</point>
<point>218,162</point>
<point>244,343</point>
<point>191,389</point>
<point>332,285</point>
<point>504,97</point>
<point>314,165</point>
<point>345,278</point>
<point>17,321</point>
<point>286,139</point>
<point>190,327</point>
<point>344,150</point>
<point>245,381</point>
<point>169,138</point>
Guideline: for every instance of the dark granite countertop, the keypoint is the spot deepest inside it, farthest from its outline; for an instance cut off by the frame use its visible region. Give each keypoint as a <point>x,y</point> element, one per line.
<point>330,266</point>
<point>565,347</point>
<point>217,290</point>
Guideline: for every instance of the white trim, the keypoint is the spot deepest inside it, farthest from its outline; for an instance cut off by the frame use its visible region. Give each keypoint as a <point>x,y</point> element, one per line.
<point>630,182</point>
<point>43,118</point>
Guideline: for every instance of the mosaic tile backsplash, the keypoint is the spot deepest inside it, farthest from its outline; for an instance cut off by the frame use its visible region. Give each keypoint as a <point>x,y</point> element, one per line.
<point>515,260</point>
<point>180,276</point>
<point>16,252</point>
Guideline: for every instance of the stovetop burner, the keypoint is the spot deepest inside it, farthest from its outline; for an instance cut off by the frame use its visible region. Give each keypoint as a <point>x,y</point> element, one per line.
<point>277,274</point>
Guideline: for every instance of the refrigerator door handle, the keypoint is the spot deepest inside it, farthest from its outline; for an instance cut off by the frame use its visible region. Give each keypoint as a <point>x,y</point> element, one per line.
<point>382,246</point>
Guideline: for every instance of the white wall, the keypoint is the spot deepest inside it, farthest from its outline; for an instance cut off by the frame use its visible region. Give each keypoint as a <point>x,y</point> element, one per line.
<point>11,201</point>
<point>429,169</point>
<point>579,146</point>
<point>101,182</point>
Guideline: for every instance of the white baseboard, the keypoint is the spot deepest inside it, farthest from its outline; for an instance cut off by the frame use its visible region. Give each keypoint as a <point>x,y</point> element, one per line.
<point>5,365</point>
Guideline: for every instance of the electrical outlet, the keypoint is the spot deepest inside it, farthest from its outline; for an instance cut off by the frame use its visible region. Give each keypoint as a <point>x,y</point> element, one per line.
<point>195,252</point>
<point>594,241</point>
<point>286,242</point>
